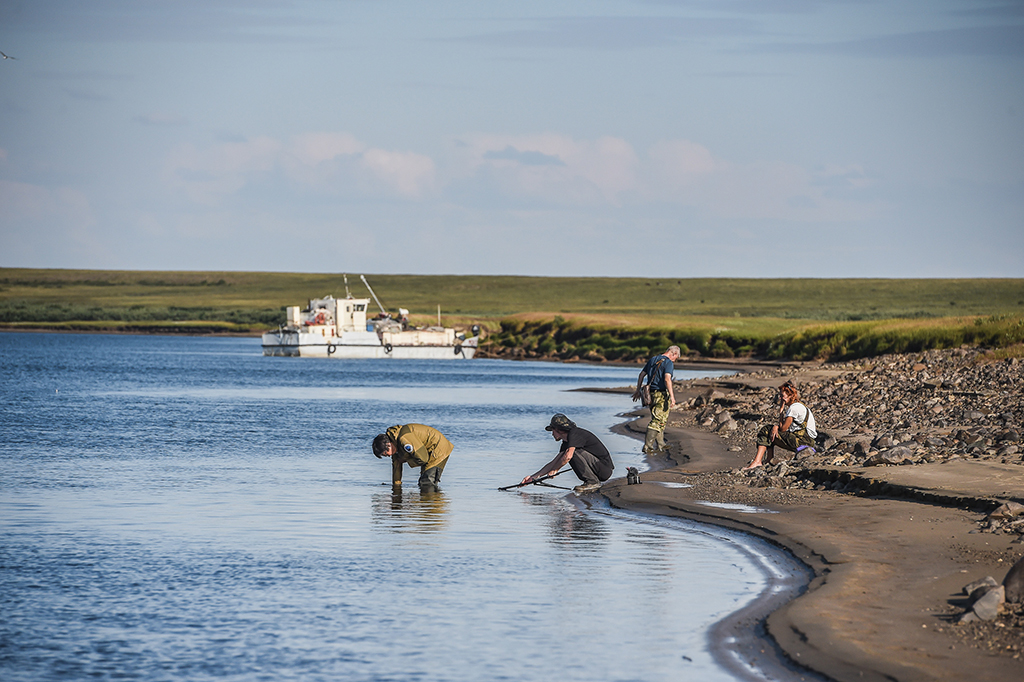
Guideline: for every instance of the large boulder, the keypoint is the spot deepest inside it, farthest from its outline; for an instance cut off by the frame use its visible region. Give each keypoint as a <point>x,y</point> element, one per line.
<point>987,605</point>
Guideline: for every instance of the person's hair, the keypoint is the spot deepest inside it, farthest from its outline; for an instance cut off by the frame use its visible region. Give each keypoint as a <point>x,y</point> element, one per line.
<point>674,349</point>
<point>380,444</point>
<point>789,393</point>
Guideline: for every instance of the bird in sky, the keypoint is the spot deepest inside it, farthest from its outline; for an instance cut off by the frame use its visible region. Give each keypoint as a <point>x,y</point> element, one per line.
<point>7,56</point>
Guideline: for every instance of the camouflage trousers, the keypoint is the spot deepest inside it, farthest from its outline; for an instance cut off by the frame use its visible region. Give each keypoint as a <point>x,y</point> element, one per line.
<point>788,440</point>
<point>659,410</point>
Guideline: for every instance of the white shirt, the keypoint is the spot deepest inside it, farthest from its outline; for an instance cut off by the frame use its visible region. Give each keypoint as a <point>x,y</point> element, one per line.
<point>799,413</point>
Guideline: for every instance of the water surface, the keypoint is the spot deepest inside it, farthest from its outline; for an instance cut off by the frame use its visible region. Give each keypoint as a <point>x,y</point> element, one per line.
<point>184,508</point>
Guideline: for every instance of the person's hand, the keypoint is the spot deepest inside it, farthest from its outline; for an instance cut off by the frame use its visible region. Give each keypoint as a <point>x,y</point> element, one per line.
<point>528,479</point>
<point>636,395</point>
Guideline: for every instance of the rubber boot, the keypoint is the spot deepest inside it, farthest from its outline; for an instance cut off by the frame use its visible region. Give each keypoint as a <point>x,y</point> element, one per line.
<point>661,442</point>
<point>651,442</point>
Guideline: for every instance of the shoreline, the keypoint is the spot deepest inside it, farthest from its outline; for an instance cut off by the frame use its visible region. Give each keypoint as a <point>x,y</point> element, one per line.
<point>887,563</point>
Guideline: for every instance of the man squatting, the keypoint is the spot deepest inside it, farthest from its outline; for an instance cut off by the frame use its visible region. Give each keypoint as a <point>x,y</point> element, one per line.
<point>581,450</point>
<point>658,371</point>
<point>418,445</point>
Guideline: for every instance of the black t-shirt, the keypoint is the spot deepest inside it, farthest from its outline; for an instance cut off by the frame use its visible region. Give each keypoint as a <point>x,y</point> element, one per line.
<point>581,439</point>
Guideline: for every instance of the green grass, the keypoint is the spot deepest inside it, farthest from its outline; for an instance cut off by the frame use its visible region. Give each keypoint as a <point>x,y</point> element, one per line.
<point>626,317</point>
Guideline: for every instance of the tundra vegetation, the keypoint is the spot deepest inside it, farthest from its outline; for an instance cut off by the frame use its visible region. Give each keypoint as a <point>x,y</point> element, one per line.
<point>587,318</point>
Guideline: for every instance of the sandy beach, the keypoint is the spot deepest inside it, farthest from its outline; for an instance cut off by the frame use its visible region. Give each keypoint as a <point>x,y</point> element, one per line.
<point>890,547</point>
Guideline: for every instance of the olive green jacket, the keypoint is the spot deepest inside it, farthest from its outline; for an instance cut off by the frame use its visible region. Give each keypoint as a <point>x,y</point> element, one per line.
<point>419,445</point>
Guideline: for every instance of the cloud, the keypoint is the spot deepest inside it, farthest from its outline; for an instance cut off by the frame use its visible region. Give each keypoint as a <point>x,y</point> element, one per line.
<point>178,21</point>
<point>527,158</point>
<point>975,41</point>
<point>550,167</point>
<point>158,118</point>
<point>326,162</point>
<point>40,221</point>
<point>686,173</point>
<point>616,33</point>
<point>521,172</point>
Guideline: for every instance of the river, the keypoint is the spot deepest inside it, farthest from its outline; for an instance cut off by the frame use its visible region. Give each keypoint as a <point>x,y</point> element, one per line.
<point>183,508</point>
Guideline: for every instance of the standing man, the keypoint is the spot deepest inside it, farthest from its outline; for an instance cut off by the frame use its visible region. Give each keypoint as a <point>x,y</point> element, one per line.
<point>582,450</point>
<point>418,445</point>
<point>658,371</point>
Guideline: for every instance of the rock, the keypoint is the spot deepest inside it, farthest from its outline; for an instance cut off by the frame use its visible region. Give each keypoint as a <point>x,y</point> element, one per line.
<point>986,582</point>
<point>987,605</point>
<point>1007,450</point>
<point>710,396</point>
<point>726,426</point>
<point>974,415</point>
<point>723,417</point>
<point>1013,583</point>
<point>895,455</point>
<point>882,442</point>
<point>968,617</point>
<point>861,446</point>
<point>1008,435</point>
<point>1007,511</point>
<point>918,367</point>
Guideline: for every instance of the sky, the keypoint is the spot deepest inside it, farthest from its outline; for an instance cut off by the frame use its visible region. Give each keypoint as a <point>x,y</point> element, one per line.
<point>662,138</point>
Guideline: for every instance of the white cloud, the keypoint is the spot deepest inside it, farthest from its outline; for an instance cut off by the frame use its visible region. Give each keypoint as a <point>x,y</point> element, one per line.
<point>554,168</point>
<point>546,169</point>
<point>334,163</point>
<point>407,173</point>
<point>24,203</point>
<point>41,224</point>
<point>683,172</point>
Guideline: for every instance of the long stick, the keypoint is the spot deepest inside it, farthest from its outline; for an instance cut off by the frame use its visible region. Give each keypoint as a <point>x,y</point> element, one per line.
<point>536,480</point>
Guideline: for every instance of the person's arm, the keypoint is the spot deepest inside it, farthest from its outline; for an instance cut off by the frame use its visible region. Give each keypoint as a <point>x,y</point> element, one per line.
<point>552,467</point>
<point>396,469</point>
<point>782,426</point>
<point>671,393</point>
<point>639,383</point>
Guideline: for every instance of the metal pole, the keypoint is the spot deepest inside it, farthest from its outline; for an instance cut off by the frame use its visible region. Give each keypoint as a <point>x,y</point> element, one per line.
<point>373,294</point>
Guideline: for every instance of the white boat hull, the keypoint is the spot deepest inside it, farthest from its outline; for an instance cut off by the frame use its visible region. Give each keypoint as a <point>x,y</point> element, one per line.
<point>359,346</point>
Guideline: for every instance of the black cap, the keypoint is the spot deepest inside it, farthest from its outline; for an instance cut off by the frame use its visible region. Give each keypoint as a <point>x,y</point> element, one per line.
<point>560,422</point>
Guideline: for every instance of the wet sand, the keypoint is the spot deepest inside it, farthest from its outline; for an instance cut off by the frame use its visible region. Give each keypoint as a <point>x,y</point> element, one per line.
<point>886,572</point>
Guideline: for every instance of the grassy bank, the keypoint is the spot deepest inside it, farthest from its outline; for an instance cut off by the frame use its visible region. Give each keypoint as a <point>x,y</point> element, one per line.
<point>595,340</point>
<point>568,317</point>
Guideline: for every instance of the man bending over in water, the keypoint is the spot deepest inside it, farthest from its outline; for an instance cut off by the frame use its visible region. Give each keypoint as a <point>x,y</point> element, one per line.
<point>417,445</point>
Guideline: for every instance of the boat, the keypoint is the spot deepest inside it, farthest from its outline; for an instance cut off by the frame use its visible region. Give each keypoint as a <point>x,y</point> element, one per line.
<point>338,328</point>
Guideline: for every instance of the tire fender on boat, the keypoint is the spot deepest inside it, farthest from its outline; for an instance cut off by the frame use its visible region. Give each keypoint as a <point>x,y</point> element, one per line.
<point>458,350</point>
<point>387,347</point>
<point>330,349</point>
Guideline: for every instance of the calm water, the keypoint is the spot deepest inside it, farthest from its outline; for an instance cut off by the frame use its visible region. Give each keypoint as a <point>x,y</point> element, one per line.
<point>183,508</point>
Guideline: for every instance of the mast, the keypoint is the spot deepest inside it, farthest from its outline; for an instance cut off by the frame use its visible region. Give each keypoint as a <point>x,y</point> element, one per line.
<point>373,294</point>
<point>348,294</point>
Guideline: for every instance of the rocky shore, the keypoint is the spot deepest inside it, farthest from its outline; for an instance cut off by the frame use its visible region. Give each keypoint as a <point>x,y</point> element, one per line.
<point>914,501</point>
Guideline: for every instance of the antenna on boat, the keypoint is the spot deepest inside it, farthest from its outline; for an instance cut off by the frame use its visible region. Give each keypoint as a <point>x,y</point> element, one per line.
<point>348,294</point>
<point>373,294</point>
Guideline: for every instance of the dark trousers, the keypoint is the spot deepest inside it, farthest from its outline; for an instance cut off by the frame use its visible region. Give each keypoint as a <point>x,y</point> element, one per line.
<point>432,476</point>
<point>589,468</point>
